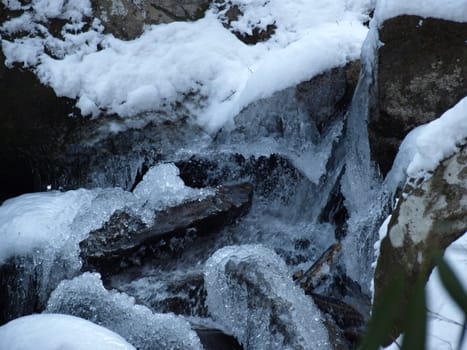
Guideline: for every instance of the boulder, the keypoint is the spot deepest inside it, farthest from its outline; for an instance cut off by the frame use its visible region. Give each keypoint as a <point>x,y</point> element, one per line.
<point>126,19</point>
<point>428,217</point>
<point>422,65</point>
<point>125,240</point>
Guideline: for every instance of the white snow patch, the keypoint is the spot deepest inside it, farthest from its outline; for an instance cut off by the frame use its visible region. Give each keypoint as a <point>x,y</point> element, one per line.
<point>200,64</point>
<point>429,144</point>
<point>58,332</point>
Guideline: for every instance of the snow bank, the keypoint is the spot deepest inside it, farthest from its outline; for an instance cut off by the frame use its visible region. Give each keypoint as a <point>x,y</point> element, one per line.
<point>454,10</point>
<point>199,64</point>
<point>58,332</point>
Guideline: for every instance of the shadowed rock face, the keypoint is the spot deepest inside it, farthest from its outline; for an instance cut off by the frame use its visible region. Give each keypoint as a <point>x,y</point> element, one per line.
<point>428,218</point>
<point>422,72</point>
<point>126,18</point>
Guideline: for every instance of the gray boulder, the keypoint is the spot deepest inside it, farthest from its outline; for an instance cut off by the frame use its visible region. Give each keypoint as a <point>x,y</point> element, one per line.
<point>126,18</point>
<point>422,66</point>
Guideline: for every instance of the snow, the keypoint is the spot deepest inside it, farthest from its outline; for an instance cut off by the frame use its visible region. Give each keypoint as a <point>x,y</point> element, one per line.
<point>427,145</point>
<point>58,332</point>
<point>454,10</point>
<point>200,64</point>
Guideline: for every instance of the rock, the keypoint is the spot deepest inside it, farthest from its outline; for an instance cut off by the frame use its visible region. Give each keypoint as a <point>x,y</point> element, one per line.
<point>342,301</point>
<point>327,95</point>
<point>18,290</point>
<point>215,339</point>
<point>229,13</point>
<point>268,174</point>
<point>428,217</point>
<point>125,240</point>
<point>422,66</point>
<point>33,132</point>
<point>126,18</point>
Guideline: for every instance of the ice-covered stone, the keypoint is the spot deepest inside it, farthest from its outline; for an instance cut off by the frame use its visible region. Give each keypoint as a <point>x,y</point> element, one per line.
<point>125,240</point>
<point>58,332</point>
<point>86,297</point>
<point>251,294</point>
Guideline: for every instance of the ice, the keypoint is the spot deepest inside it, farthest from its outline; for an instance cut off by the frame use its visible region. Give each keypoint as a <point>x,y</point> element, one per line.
<point>162,187</point>
<point>361,184</point>
<point>39,220</point>
<point>86,297</point>
<point>47,227</point>
<point>252,296</point>
<point>58,332</point>
<point>199,65</point>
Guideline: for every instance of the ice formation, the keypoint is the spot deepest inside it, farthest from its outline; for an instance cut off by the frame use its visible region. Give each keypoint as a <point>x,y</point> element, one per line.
<point>85,296</point>
<point>58,332</point>
<point>49,226</point>
<point>251,294</point>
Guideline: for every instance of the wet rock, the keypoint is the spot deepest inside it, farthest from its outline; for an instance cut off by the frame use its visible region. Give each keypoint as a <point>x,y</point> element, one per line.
<point>428,217</point>
<point>18,290</point>
<point>34,126</point>
<point>268,174</point>
<point>126,18</point>
<point>345,307</point>
<point>327,95</point>
<point>125,240</point>
<point>422,66</point>
<point>215,339</point>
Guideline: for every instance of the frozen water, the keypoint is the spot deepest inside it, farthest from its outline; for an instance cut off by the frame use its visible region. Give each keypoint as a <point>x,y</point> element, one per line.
<point>251,294</point>
<point>48,227</point>
<point>162,187</point>
<point>58,332</point>
<point>86,297</point>
<point>361,183</point>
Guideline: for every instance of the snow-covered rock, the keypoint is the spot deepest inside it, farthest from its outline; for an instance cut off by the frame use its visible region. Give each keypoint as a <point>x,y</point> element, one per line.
<point>251,294</point>
<point>420,71</point>
<point>57,332</point>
